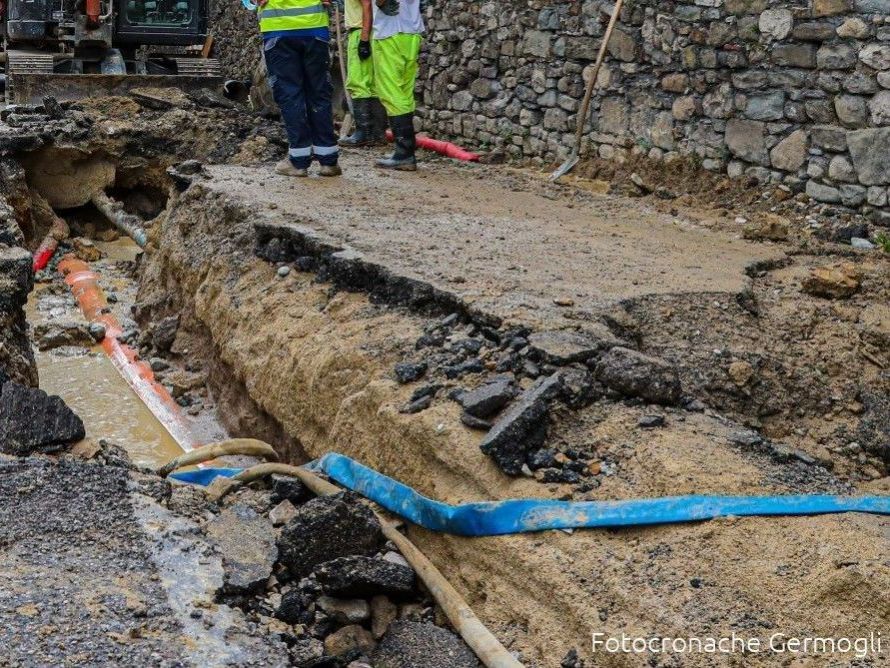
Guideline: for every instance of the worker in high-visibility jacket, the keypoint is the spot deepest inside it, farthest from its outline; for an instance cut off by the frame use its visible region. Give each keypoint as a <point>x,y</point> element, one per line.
<point>395,47</point>
<point>295,47</point>
<point>369,129</point>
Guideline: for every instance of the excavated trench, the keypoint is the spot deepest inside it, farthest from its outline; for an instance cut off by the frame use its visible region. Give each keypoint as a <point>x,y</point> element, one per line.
<point>288,335</point>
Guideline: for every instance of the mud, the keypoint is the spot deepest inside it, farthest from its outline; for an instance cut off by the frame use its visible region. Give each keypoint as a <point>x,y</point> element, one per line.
<point>320,360</point>
<point>782,391</point>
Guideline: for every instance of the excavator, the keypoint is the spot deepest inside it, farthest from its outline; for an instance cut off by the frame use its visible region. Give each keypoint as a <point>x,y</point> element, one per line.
<point>71,49</point>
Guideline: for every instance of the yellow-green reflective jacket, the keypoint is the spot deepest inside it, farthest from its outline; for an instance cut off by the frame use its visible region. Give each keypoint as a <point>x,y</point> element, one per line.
<point>287,15</point>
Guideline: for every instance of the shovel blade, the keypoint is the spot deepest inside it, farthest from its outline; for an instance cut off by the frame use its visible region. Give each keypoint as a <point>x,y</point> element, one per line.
<point>565,167</point>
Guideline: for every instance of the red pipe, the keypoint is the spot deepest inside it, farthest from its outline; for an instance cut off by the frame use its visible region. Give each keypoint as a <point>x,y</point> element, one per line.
<point>47,248</point>
<point>93,11</point>
<point>445,148</point>
<point>84,286</point>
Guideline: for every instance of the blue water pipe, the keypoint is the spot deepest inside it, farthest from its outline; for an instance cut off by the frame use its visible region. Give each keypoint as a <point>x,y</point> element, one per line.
<point>493,518</point>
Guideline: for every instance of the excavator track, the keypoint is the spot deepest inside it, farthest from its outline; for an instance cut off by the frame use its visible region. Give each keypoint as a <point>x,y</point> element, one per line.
<point>198,67</point>
<point>22,64</point>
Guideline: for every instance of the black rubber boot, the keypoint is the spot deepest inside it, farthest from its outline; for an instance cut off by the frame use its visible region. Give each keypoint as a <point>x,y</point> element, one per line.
<point>361,136</point>
<point>379,122</point>
<point>403,157</point>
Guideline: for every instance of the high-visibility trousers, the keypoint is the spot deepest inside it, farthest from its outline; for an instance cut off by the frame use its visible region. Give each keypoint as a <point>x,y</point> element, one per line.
<point>359,73</point>
<point>395,71</point>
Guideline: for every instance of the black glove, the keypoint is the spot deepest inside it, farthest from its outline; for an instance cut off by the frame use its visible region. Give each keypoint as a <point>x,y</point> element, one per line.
<point>364,50</point>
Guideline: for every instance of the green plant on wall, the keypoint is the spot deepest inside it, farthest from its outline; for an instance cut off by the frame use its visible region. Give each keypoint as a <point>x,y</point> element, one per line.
<point>883,241</point>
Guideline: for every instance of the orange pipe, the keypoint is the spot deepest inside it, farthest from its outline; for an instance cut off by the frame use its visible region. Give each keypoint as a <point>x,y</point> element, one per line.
<point>445,148</point>
<point>93,11</point>
<point>139,376</point>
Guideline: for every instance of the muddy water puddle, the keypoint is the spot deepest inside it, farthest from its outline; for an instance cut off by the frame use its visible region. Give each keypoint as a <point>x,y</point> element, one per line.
<point>88,381</point>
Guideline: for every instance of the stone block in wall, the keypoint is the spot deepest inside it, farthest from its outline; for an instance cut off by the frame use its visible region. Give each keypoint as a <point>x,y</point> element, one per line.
<point>614,116</point>
<point>860,83</point>
<point>790,154</point>
<point>820,111</point>
<point>684,108</point>
<point>769,107</point>
<point>872,6</point>
<point>581,47</point>
<point>814,31</point>
<point>776,23</point>
<point>870,151</point>
<point>718,103</point>
<point>883,79</point>
<point>831,7</point>
<point>622,46</point>
<point>747,140</point>
<point>662,134</point>
<point>745,6</point>
<point>817,167</point>
<point>836,56</point>
<point>876,196</point>
<point>823,193</point>
<point>536,43</point>
<point>795,55</point>
<point>828,137</point>
<point>840,169</point>
<point>879,107</point>
<point>851,110</point>
<point>852,195</point>
<point>855,28</point>
<point>676,82</point>
<point>876,56</point>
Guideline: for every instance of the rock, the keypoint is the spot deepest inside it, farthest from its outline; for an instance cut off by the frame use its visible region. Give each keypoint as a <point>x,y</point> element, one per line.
<point>345,611</point>
<point>363,577</point>
<point>383,613</point>
<point>840,169</point>
<point>349,639</point>
<point>86,250</point>
<point>651,421</point>
<point>33,421</point>
<point>746,140</point>
<point>634,374</point>
<point>507,441</point>
<point>837,281</point>
<point>835,57</point>
<point>876,56</point>
<point>246,541</point>
<point>776,23</point>
<point>829,137</point>
<point>851,110</point>
<point>854,27</point>
<point>326,528</point>
<point>622,46</point>
<point>790,153</point>
<point>417,405</point>
<point>861,244</point>
<point>741,372</point>
<point>564,346</point>
<point>770,107</point>
<point>283,271</point>
<point>831,7</point>
<point>165,333</point>
<point>282,513</point>
<point>97,331</point>
<point>408,372</point>
<point>410,644</point>
<point>870,151</point>
<point>488,399</point>
<point>879,107</point>
<point>182,382</point>
<point>56,335</point>
<point>795,55</point>
<point>813,31</point>
<point>822,193</point>
<point>288,488</point>
<point>852,195</point>
<point>767,226</point>
<point>306,652</point>
<point>295,608</point>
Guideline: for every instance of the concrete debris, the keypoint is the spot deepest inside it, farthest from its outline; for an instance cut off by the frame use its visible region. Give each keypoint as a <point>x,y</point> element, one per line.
<point>326,528</point>
<point>56,335</point>
<point>363,577</point>
<point>768,227</point>
<point>306,652</point>
<point>837,281</point>
<point>295,608</point>
<point>474,422</point>
<point>383,613</point>
<point>287,488</point>
<point>564,346</point>
<point>508,441</point>
<point>634,374</point>
<point>345,611</point>
<point>86,250</point>
<point>489,398</point>
<point>32,421</point>
<point>422,645</point>
<point>247,543</point>
<point>408,372</point>
<point>651,421</point>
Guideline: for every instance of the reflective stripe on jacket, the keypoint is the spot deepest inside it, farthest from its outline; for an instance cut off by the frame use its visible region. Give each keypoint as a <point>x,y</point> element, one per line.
<point>284,15</point>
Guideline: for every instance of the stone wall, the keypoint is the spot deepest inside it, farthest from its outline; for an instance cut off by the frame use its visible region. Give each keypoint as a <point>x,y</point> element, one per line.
<point>788,93</point>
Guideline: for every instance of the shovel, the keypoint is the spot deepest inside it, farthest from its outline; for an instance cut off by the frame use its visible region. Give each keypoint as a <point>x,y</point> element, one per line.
<point>572,160</point>
<point>346,126</point>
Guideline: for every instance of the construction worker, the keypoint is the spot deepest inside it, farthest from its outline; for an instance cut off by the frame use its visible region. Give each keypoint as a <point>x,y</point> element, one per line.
<point>360,75</point>
<point>295,48</point>
<point>398,27</point>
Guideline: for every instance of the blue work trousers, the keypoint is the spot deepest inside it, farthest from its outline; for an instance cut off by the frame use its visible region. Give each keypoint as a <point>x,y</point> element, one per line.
<point>300,77</point>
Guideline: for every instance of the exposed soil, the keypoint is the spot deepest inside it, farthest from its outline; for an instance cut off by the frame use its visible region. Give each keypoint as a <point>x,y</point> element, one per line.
<point>298,299</point>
